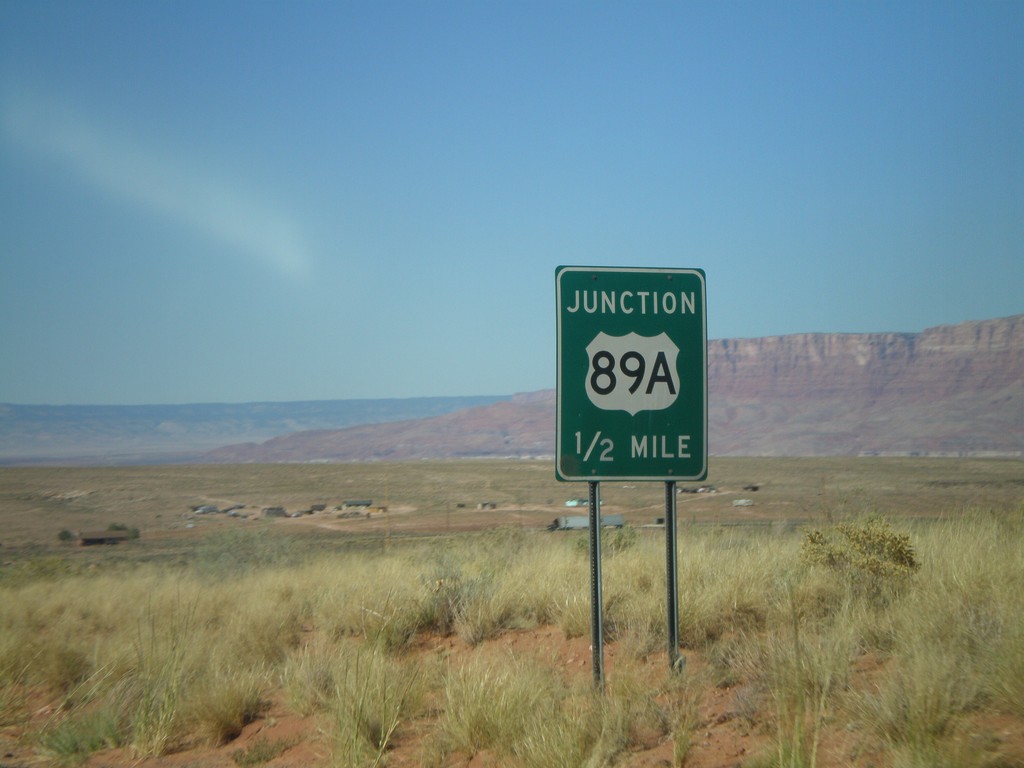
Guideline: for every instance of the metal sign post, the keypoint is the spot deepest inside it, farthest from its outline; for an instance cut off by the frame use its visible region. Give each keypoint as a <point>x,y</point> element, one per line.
<point>671,575</point>
<point>631,400</point>
<point>596,603</point>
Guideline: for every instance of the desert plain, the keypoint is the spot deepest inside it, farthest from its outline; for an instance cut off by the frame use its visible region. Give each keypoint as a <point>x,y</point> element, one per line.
<point>848,611</point>
<point>435,497</point>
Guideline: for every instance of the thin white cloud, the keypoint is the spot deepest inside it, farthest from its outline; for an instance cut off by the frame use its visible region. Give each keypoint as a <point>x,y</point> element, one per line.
<point>174,189</point>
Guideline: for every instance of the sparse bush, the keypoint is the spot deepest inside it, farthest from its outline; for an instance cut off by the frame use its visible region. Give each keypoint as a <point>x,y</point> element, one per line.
<point>494,583</point>
<point>381,598</point>
<point>495,706</point>
<point>64,666</point>
<point>485,611</point>
<point>956,645</point>
<point>917,705</point>
<point>874,557</point>
<point>374,694</point>
<point>71,740</point>
<point>394,626</point>
<point>224,702</point>
<point>527,716</point>
<point>157,684</point>
<point>801,670</point>
<point>443,602</point>
<point>644,721</point>
<point>309,681</point>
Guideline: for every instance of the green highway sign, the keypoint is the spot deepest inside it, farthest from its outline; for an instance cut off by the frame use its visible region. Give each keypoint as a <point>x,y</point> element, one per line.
<point>632,378</point>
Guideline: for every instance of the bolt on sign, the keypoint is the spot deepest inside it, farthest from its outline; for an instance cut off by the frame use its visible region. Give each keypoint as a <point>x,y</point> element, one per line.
<point>632,374</point>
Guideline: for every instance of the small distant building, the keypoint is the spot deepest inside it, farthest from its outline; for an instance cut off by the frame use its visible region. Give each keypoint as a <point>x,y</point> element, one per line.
<point>582,522</point>
<point>91,538</point>
<point>570,523</point>
<point>700,489</point>
<point>357,504</point>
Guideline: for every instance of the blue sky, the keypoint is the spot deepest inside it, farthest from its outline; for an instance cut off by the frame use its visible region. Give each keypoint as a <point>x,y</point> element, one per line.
<point>245,201</point>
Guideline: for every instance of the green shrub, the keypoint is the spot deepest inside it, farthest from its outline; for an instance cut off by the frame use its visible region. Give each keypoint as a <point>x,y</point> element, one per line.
<point>873,556</point>
<point>64,666</point>
<point>224,702</point>
<point>72,740</point>
<point>159,680</point>
<point>496,706</point>
<point>308,678</point>
<point>374,694</point>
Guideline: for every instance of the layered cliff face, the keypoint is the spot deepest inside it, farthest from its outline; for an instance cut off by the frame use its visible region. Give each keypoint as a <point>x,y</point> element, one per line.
<point>955,388</point>
<point>951,389</point>
<point>790,366</point>
<point>938,362</point>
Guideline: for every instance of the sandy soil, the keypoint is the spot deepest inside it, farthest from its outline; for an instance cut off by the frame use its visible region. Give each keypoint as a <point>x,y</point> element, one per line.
<point>724,738</point>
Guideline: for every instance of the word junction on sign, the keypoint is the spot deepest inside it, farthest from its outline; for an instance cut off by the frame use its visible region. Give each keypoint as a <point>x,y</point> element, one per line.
<point>628,302</point>
<point>632,374</point>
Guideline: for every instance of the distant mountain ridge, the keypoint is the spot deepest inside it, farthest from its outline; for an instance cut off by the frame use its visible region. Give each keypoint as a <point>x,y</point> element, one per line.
<point>124,434</point>
<point>953,389</point>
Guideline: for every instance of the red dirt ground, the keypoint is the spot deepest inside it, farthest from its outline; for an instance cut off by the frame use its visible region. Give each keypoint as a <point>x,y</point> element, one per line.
<point>723,739</point>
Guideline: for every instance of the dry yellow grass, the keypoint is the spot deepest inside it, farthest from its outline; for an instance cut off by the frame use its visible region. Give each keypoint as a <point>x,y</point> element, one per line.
<point>169,645</point>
